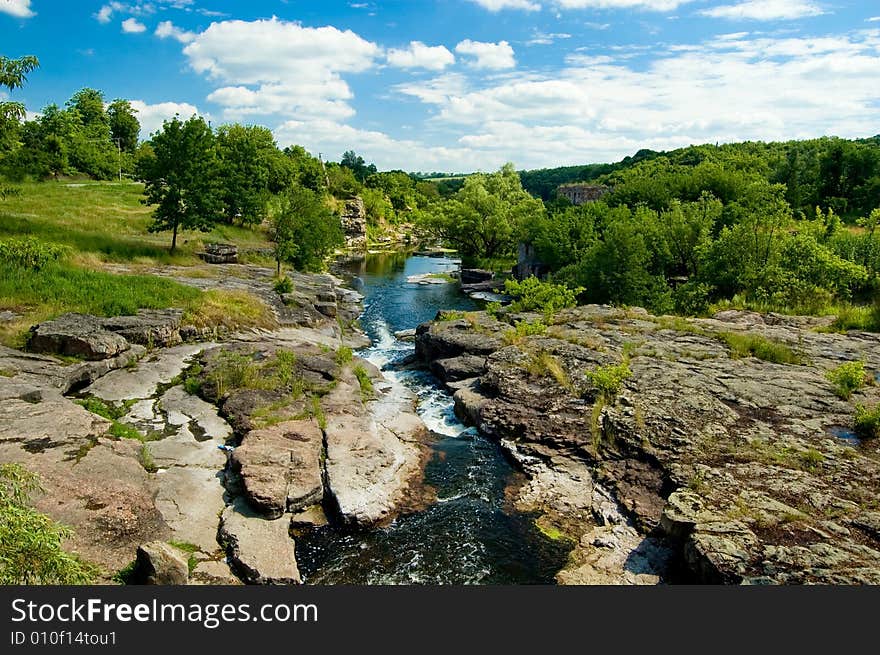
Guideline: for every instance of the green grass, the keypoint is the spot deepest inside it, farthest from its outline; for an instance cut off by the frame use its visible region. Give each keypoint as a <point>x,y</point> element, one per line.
<point>146,459</point>
<point>107,410</point>
<point>123,431</point>
<point>516,335</point>
<point>107,221</point>
<point>755,345</point>
<point>544,364</point>
<point>848,378</point>
<point>344,355</point>
<point>190,549</point>
<point>450,315</point>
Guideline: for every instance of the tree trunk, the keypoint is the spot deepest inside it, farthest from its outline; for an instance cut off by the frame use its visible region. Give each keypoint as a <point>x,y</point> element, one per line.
<point>174,238</point>
<point>278,268</point>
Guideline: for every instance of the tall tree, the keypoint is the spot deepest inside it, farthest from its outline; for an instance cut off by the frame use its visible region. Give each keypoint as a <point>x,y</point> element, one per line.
<point>182,178</point>
<point>248,158</point>
<point>124,125</point>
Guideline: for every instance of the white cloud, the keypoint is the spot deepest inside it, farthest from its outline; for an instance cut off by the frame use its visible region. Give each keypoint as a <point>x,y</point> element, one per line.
<point>645,5</point>
<point>17,8</point>
<point>546,38</point>
<point>494,56</point>
<point>152,116</point>
<point>766,10</point>
<point>132,26</point>
<point>873,19</point>
<point>730,88</point>
<point>419,55</point>
<point>296,72</point>
<point>167,29</point>
<point>139,8</point>
<point>105,14</point>
<point>498,5</point>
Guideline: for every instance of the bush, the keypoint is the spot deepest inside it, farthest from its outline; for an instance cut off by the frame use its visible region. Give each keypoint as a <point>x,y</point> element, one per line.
<point>283,285</point>
<point>30,542</point>
<point>848,378</point>
<point>30,253</point>
<point>609,380</point>
<point>867,421</point>
<point>533,295</point>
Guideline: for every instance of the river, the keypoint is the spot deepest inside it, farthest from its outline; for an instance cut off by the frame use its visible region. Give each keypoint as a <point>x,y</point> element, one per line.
<point>471,534</point>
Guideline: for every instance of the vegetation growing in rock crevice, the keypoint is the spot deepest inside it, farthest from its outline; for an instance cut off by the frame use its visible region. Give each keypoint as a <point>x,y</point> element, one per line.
<point>867,421</point>
<point>848,378</point>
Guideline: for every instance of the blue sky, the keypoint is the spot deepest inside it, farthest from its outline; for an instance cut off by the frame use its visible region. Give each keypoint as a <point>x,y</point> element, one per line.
<point>461,85</point>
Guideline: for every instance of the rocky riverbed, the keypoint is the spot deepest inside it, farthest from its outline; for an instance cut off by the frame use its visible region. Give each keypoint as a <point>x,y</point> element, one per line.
<point>199,458</point>
<point>707,465</point>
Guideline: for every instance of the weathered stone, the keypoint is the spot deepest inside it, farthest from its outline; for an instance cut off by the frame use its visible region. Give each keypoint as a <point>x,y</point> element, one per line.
<point>311,517</point>
<point>280,467</point>
<point>213,573</point>
<point>262,551</point>
<point>475,275</point>
<point>454,369</point>
<point>161,564</point>
<point>150,327</point>
<point>76,335</point>
<point>354,224</point>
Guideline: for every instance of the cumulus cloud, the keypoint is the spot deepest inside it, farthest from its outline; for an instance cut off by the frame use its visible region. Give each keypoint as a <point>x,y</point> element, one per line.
<point>296,71</point>
<point>494,56</point>
<point>17,8</point>
<point>133,26</point>
<point>419,55</point>
<point>166,29</point>
<point>766,10</point>
<point>152,116</point>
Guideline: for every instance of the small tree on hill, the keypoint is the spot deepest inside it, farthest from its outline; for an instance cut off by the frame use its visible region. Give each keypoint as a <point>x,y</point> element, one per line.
<point>182,178</point>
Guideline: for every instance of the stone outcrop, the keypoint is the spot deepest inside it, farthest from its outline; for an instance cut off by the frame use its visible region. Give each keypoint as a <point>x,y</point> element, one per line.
<point>748,469</point>
<point>161,564</point>
<point>76,335</point>
<point>373,449</point>
<point>220,253</point>
<point>354,223</point>
<point>93,338</point>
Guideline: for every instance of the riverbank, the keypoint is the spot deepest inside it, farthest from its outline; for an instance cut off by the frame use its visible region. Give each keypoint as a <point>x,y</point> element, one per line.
<point>709,450</point>
<point>197,458</point>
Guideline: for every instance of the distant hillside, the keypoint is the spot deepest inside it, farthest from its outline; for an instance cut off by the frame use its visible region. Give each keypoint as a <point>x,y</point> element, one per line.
<point>836,173</point>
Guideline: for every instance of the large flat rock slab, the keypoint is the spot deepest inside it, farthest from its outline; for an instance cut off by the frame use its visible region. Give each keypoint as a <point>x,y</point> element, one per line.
<point>280,467</point>
<point>142,380</point>
<point>189,500</point>
<point>261,550</point>
<point>373,452</point>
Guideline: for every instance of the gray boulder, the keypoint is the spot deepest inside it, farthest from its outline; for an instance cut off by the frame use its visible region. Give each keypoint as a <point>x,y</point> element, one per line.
<point>161,564</point>
<point>76,335</point>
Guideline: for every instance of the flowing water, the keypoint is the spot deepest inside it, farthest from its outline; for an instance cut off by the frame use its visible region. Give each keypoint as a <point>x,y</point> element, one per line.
<point>470,535</point>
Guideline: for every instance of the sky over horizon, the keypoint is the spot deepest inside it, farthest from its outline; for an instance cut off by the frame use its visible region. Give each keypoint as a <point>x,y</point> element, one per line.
<point>466,85</point>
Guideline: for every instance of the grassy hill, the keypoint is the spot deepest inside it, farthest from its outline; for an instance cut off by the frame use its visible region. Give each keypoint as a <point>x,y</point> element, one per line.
<point>83,228</point>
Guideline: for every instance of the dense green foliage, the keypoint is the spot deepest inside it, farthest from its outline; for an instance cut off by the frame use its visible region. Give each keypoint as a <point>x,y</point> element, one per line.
<point>867,421</point>
<point>30,542</point>
<point>304,230</point>
<point>533,295</point>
